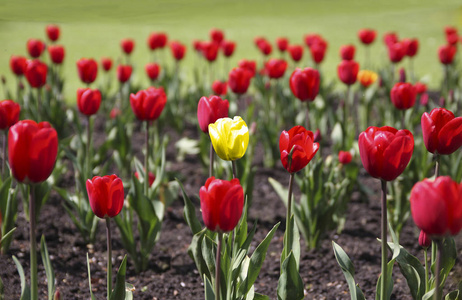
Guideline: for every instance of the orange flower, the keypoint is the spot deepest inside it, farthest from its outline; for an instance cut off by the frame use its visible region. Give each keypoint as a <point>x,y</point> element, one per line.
<point>366,77</point>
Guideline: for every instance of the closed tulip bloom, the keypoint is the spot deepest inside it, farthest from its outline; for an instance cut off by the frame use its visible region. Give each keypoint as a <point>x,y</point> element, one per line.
<point>367,36</point>
<point>347,71</point>
<point>296,52</point>
<point>178,50</point>
<point>35,47</point>
<point>157,40</point>
<point>412,46</point>
<point>32,151</point>
<point>396,52</point>
<point>265,47</point>
<point>297,144</point>
<point>282,43</point>
<point>18,64</point>
<point>152,70</point>
<point>127,45</point>
<point>151,177</point>
<point>452,35</point>
<point>403,95</point>
<point>88,101</point>
<point>318,50</point>
<point>420,88</point>
<point>148,104</point>
<point>305,83</point>
<point>52,32</point>
<point>87,69</point>
<point>56,53</point>
<point>442,131</point>
<point>230,137</point>
<point>436,206</point>
<point>366,77</point>
<point>219,88</point>
<point>106,195</point>
<point>209,50</point>
<point>345,157</point>
<point>9,113</point>
<point>228,48</point>
<point>36,73</point>
<point>275,68</point>
<point>385,151</point>
<point>217,35</point>
<point>446,54</point>
<point>347,52</point>
<point>209,110</point>
<point>106,63</point>
<point>311,39</point>
<point>250,65</point>
<point>239,80</point>
<point>424,240</point>
<point>124,72</point>
<point>390,38</point>
<point>222,203</point>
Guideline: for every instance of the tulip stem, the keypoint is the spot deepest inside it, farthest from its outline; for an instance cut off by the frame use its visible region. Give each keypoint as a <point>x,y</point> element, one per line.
<point>39,104</point>
<point>211,160</point>
<point>88,155</point>
<point>437,165</point>
<point>367,51</point>
<point>33,246</point>
<point>307,117</point>
<point>392,77</point>
<point>439,245</point>
<point>146,161</point>
<point>446,69</point>
<point>427,286</point>
<point>233,163</point>
<point>4,153</point>
<point>217,267</point>
<point>288,234</point>
<point>383,286</point>
<point>109,258</point>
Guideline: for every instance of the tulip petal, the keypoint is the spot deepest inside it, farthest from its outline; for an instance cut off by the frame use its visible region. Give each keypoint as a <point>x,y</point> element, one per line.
<point>450,136</point>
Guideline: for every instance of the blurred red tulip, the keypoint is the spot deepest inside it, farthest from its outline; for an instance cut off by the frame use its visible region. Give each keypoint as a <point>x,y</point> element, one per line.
<point>151,177</point>
<point>152,70</point>
<point>178,50</point>
<point>420,88</point>
<point>106,62</point>
<point>148,104</point>
<point>264,46</point>
<point>347,52</point>
<point>56,53</point>
<point>424,240</point>
<point>88,101</point>
<point>297,148</point>
<point>305,83</point>
<point>367,36</point>
<point>9,113</point>
<point>209,110</point>
<point>442,131</point>
<point>318,50</point>
<point>115,112</point>
<point>275,68</point>
<point>18,65</point>
<point>216,35</point>
<point>311,39</point>
<point>446,54</point>
<point>411,46</point>
<point>402,75</point>
<point>35,47</point>
<point>250,65</point>
<point>157,40</point>
<point>452,36</point>
<point>296,52</point>
<point>124,72</point>
<point>52,32</point>
<point>106,195</point>
<point>390,38</point>
<point>396,52</point>
<point>209,50</point>
<point>403,95</point>
<point>347,71</point>
<point>36,73</point>
<point>87,69</point>
<point>228,48</point>
<point>345,157</point>
<point>239,80</point>
<point>282,43</point>
<point>127,45</point>
<point>219,88</point>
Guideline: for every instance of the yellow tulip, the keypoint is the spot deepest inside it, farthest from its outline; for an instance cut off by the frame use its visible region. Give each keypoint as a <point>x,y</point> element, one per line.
<point>230,137</point>
<point>366,77</point>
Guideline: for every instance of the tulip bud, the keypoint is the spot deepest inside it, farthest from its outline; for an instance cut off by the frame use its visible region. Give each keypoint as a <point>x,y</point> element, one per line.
<point>217,35</point>
<point>304,84</point>
<point>127,46</point>
<point>230,137</point>
<point>124,72</point>
<point>87,69</point>
<point>106,195</point>
<point>209,110</point>
<point>275,68</point>
<point>228,48</point>
<point>52,32</point>
<point>88,101</point>
<point>296,52</point>
<point>239,80</point>
<point>317,137</point>
<point>151,177</point>
<point>9,113</point>
<point>424,99</point>
<point>402,75</point>
<point>403,95</point>
<point>345,157</point>
<point>157,40</point>
<point>57,295</point>
<point>424,240</point>
<point>220,88</point>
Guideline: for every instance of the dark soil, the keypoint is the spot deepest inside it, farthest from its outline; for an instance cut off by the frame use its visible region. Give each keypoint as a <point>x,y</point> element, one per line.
<point>172,274</point>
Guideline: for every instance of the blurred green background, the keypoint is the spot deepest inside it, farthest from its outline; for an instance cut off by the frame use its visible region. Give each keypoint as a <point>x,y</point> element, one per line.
<point>92,28</point>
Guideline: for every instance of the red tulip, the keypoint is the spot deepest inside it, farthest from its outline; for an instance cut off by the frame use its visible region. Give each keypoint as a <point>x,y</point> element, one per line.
<point>442,131</point>
<point>211,109</point>
<point>305,83</point>
<point>424,240</point>
<point>446,54</point>
<point>52,32</point>
<point>317,137</point>
<point>32,150</point>
<point>197,45</point>
<point>148,104</point>
<point>345,157</point>
<point>106,62</point>
<point>347,71</point>
<point>250,65</point>
<point>216,35</point>
<point>436,206</point>
<point>390,38</point>
<point>157,40</point>
<point>152,70</point>
<point>56,53</point>
<point>228,48</point>
<point>296,52</point>
<point>127,45</point>
<point>87,69</point>
<point>18,64</point>
<point>239,80</point>
<point>420,88</point>
<point>367,36</point>
<point>88,101</point>
<point>385,151</point>
<point>222,202</point>
<point>106,195</point>
<point>412,46</point>
<point>219,88</point>
<point>347,52</point>
<point>151,177</point>
<point>396,52</point>
<point>124,72</point>
<point>9,113</point>
<point>318,50</point>
<point>282,43</point>
<point>209,50</point>
<point>452,35</point>
<point>403,95</point>
<point>35,47</point>
<point>311,39</point>
<point>115,112</point>
<point>264,46</point>
<point>36,73</point>
<point>297,144</point>
<point>178,50</point>
<point>275,68</point>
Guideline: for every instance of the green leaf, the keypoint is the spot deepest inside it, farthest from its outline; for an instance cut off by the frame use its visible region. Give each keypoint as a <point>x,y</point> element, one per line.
<point>454,295</point>
<point>261,297</point>
<point>190,212</point>
<point>119,290</point>
<point>195,252</point>
<point>48,268</point>
<point>2,290</point>
<point>25,290</point>
<point>89,279</point>
<point>290,285</point>
<point>209,292</point>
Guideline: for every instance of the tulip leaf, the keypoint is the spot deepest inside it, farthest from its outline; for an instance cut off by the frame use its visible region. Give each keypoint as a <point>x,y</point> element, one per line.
<point>290,285</point>
<point>9,212</point>
<point>119,290</point>
<point>209,292</point>
<point>348,270</point>
<point>89,279</point>
<point>25,290</point>
<point>195,252</point>
<point>208,254</point>
<point>260,297</point>
<point>50,274</point>
<point>190,212</point>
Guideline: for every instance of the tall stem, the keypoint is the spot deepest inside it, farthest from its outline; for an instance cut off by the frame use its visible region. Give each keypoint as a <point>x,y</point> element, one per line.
<point>427,286</point>
<point>446,71</point>
<point>33,246</point>
<point>234,169</point>
<point>39,103</point>
<point>4,153</point>
<point>146,161</point>
<point>217,267</point>
<point>383,287</point>
<point>88,155</point>
<point>437,166</point>
<point>439,245</point>
<point>367,51</point>
<point>211,160</point>
<point>307,117</point>
<point>109,258</point>
<point>392,74</point>
<point>289,215</point>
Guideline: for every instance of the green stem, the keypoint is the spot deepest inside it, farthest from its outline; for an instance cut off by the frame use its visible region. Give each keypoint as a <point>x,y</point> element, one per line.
<point>367,56</point>
<point>427,286</point>
<point>438,269</point>
<point>109,258</point>
<point>437,165</point>
<point>211,160</point>
<point>146,161</point>
<point>446,69</point>
<point>383,286</point>
<point>88,154</point>
<point>234,169</point>
<point>307,117</point>
<point>33,246</point>
<point>39,104</point>
<point>217,267</point>
<point>289,215</point>
<point>4,153</point>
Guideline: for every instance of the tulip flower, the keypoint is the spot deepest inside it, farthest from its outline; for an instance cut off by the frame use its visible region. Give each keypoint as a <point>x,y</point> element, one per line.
<point>275,68</point>
<point>318,50</point>
<point>56,53</point>
<point>106,63</point>
<point>178,50</point>
<point>304,83</point>
<point>442,131</point>
<point>157,40</point>
<point>282,43</point>
<point>446,54</point>
<point>209,51</point>
<point>347,71</point>
<point>220,88</point>
<point>152,70</point>
<point>35,47</point>
<point>209,110</point>
<point>403,95</point>
<point>88,101</point>
<point>424,240</point>
<point>36,73</point>
<point>228,48</point>
<point>127,46</point>
<point>115,112</point>
<point>396,52</point>
<point>52,32</point>
<point>239,80</point>
<point>148,104</point>
<point>296,52</point>
<point>87,69</point>
<point>18,65</point>
<point>452,35</point>
<point>411,46</point>
<point>297,148</point>
<point>9,113</point>
<point>390,38</point>
<point>250,65</point>
<point>230,137</point>
<point>124,72</point>
<point>311,39</point>
<point>402,75</point>
<point>347,52</point>
<point>367,36</point>
<point>151,177</point>
<point>345,157</point>
<point>366,77</point>
<point>264,46</point>
<point>420,88</point>
<point>217,35</point>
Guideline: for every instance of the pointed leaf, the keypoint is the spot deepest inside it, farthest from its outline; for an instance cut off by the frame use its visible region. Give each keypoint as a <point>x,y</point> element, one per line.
<point>119,290</point>
<point>290,285</point>
<point>25,290</point>
<point>190,212</point>
<point>50,274</point>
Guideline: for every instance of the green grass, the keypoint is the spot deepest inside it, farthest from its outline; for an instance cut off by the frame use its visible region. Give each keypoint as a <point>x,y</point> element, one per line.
<point>94,28</point>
